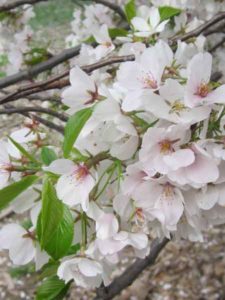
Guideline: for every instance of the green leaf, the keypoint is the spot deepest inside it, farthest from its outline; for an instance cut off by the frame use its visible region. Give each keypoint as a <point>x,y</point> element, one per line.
<point>10,192</point>
<point>60,242</point>
<point>55,227</point>
<point>73,249</point>
<point>48,155</point>
<point>51,213</point>
<point>51,289</point>
<point>115,32</point>
<point>130,10</point>
<point>35,56</point>
<point>167,12</point>
<point>49,269</point>
<point>74,127</point>
<point>23,151</point>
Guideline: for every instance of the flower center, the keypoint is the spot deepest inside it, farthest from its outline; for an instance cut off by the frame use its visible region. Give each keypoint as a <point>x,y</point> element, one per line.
<point>148,81</point>
<point>93,96</point>
<point>81,172</point>
<point>166,147</point>
<point>203,90</point>
<point>177,106</point>
<point>107,44</point>
<point>5,168</point>
<point>168,192</point>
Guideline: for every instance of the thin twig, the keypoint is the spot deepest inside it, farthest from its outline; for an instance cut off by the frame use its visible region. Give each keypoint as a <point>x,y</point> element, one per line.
<point>217,45</point>
<point>21,109</point>
<point>112,6</point>
<point>47,123</point>
<point>41,67</point>
<point>131,273</point>
<point>196,32</point>
<point>56,82</point>
<point>16,3</point>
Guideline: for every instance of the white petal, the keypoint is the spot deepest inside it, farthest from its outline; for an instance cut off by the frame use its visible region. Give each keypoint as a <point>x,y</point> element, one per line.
<point>179,158</point>
<point>60,166</point>
<point>107,226</point>
<point>140,24</point>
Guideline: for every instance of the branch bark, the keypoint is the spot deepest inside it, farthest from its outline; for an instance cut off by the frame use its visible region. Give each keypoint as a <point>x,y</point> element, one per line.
<point>112,6</point>
<point>21,109</point>
<point>196,32</point>
<point>45,122</point>
<point>39,68</point>
<point>131,273</point>
<point>16,3</point>
<point>57,82</point>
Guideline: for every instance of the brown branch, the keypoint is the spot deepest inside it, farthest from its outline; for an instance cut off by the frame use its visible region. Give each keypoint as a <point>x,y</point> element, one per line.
<point>41,67</point>
<point>112,6</point>
<point>131,273</point>
<point>45,122</point>
<point>196,32</point>
<point>16,3</point>
<point>57,82</point>
<point>217,45</point>
<point>21,109</point>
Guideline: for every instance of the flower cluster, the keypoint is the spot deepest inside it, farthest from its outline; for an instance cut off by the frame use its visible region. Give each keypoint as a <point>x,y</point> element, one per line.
<point>143,154</point>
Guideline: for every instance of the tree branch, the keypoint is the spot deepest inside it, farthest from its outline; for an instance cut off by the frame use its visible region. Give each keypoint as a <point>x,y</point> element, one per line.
<point>21,109</point>
<point>112,6</point>
<point>16,3</point>
<point>41,67</point>
<point>131,273</point>
<point>47,123</point>
<point>57,82</point>
<point>196,32</point>
<point>217,45</point>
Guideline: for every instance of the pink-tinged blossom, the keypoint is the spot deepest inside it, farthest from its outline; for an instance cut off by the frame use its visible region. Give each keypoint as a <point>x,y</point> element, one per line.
<point>163,202</point>
<point>169,105</point>
<point>135,175</point>
<point>105,43</point>
<point>143,74</point>
<point>199,90</point>
<point>161,149</point>
<point>21,246</point>
<point>203,170</point>
<point>75,184</point>
<point>86,272</point>
<point>82,92</point>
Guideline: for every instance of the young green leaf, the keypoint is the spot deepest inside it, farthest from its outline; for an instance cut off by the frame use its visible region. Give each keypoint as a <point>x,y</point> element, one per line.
<point>130,10</point>
<point>167,12</point>
<point>55,226</point>
<point>115,32</point>
<point>10,192</point>
<point>74,127</point>
<point>48,155</point>
<point>60,242</point>
<point>23,151</point>
<point>51,289</point>
<point>51,212</point>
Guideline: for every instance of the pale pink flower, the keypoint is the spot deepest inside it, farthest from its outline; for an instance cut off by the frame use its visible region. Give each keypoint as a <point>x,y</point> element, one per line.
<point>161,149</point>
<point>75,184</point>
<point>198,89</point>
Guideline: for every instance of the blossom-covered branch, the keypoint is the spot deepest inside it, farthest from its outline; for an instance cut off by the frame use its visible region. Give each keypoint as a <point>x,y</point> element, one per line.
<point>56,82</point>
